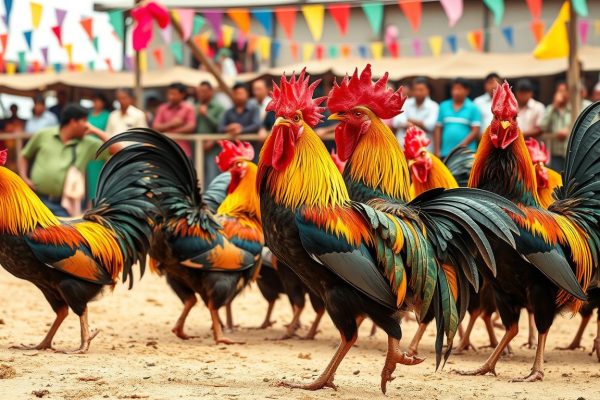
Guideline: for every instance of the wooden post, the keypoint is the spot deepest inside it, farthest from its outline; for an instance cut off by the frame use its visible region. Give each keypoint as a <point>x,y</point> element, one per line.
<point>202,58</point>
<point>573,73</point>
<point>139,96</point>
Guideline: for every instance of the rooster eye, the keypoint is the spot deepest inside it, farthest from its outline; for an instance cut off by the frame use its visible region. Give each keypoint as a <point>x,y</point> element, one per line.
<point>239,164</point>
<point>296,118</point>
<point>358,114</point>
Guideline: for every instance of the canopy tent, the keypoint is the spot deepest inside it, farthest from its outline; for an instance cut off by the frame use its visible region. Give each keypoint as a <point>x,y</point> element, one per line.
<point>468,65</point>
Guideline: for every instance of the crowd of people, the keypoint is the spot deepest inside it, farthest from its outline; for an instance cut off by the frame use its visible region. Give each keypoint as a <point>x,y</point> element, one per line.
<point>68,134</point>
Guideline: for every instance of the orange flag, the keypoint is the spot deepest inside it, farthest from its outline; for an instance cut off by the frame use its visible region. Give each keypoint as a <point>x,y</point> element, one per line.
<point>241,18</point>
<point>87,25</point>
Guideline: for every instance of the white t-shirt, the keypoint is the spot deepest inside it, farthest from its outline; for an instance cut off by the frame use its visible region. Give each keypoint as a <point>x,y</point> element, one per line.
<point>426,113</point>
<point>119,122</point>
<point>484,103</point>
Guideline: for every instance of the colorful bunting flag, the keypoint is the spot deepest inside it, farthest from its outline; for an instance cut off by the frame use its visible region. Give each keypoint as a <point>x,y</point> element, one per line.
<point>294,50</point>
<point>8,8</point>
<point>340,14</point>
<point>35,66</point>
<point>412,11</point>
<point>96,43</point>
<point>264,47</point>
<point>286,17</point>
<point>345,51</point>
<point>597,27</point>
<point>60,15</point>
<point>11,68</point>
<point>241,41</point>
<point>314,15</point>
<point>436,43</point>
<point>580,7</point>
<point>452,43</point>
<point>109,64</point>
<point>199,22</point>
<point>265,18</point>
<point>115,18</point>
<point>157,54</point>
<point>143,61</point>
<point>377,50</point>
<point>417,47</point>
<point>362,51</point>
<point>508,34</point>
<point>393,48</point>
<point>27,35</point>
<point>535,8</point>
<point>252,41</point>
<point>91,65</point>
<point>537,29</point>
<point>69,49</point>
<point>44,51</point>
<point>241,18</point>
<point>58,33</point>
<point>555,44</point>
<point>177,50</point>
<point>374,12</point>
<point>215,19</point>
<point>167,34</point>
<point>185,16</point>
<point>88,27</point>
<point>4,42</point>
<point>275,49</point>
<point>319,51</point>
<point>57,67</point>
<point>453,10</point>
<point>475,39</point>
<point>307,50</point>
<point>584,29</point>
<point>36,14</point>
<point>497,8</point>
<point>333,51</point>
<point>22,62</point>
<point>227,35</point>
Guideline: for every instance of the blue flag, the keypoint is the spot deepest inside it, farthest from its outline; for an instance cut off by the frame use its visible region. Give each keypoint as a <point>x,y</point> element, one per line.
<point>452,42</point>
<point>27,35</point>
<point>507,32</point>
<point>265,17</point>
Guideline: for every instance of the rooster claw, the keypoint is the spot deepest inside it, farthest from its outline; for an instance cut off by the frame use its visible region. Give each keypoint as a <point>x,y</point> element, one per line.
<point>41,346</point>
<point>484,370</point>
<point>316,385</point>
<point>572,346</point>
<point>533,346</point>
<point>227,341</point>
<point>534,376</point>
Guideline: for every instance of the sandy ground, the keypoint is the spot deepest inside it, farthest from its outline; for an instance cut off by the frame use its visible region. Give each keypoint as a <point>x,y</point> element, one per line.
<point>136,355</point>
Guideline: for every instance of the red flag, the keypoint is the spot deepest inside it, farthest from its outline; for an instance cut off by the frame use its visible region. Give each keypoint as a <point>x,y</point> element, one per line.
<point>58,33</point>
<point>537,29</point>
<point>158,57</point>
<point>412,9</point>
<point>319,50</point>
<point>87,25</point>
<point>394,49</point>
<point>4,41</point>
<point>286,17</point>
<point>340,14</point>
<point>35,66</point>
<point>535,8</point>
<point>294,50</point>
<point>109,64</point>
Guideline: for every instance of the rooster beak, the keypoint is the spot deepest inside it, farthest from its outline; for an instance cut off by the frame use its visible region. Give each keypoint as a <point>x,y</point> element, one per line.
<point>335,117</point>
<point>281,121</point>
<point>411,163</point>
<point>505,124</point>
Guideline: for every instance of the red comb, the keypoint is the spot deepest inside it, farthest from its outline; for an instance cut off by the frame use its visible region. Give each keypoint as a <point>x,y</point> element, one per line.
<point>297,95</point>
<point>232,152</point>
<point>3,156</point>
<point>361,91</point>
<point>537,151</point>
<point>414,141</point>
<point>504,104</point>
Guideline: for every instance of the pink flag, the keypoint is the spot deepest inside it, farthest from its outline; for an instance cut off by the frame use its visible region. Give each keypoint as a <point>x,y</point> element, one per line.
<point>453,9</point>
<point>186,19</point>
<point>584,29</point>
<point>416,44</point>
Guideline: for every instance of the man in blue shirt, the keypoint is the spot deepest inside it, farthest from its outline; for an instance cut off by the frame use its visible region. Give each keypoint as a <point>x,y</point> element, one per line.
<point>459,121</point>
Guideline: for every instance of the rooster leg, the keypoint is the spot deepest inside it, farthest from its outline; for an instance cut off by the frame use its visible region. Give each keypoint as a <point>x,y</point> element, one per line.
<point>312,332</point>
<point>490,364</point>
<point>413,347</point>
<point>487,320</point>
<point>218,329</point>
<point>46,343</point>
<point>596,347</point>
<point>294,324</point>
<point>267,322</point>
<point>537,373</point>
<point>395,356</point>
<point>326,378</point>
<point>229,316</point>
<point>465,341</point>
<point>576,343</point>
<point>530,343</point>
<point>461,331</point>
<point>86,337</point>
<point>178,328</point>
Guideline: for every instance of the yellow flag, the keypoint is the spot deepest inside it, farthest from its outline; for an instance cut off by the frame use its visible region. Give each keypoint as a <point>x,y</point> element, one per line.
<point>435,44</point>
<point>307,51</point>
<point>143,61</point>
<point>597,27</point>
<point>11,68</point>
<point>264,47</point>
<point>377,50</point>
<point>314,14</point>
<point>556,43</point>
<point>36,14</point>
<point>227,34</point>
<point>69,49</point>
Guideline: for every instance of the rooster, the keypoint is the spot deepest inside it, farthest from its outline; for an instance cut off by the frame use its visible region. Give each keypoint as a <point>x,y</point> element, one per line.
<point>72,260</point>
<point>377,169</point>
<point>214,256</point>
<point>557,246</point>
<point>361,262</point>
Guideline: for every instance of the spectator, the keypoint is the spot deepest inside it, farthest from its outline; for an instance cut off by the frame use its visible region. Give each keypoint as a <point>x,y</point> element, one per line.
<point>127,116</point>
<point>459,121</point>
<point>243,117</point>
<point>484,102</point>
<point>151,105</point>
<point>531,112</point>
<point>61,100</point>
<point>101,109</point>
<point>41,117</point>
<point>210,112</point>
<point>13,123</point>
<point>224,60</point>
<point>419,110</point>
<point>176,115</point>
<point>260,92</point>
<point>55,150</point>
<point>556,124</point>
<point>596,92</point>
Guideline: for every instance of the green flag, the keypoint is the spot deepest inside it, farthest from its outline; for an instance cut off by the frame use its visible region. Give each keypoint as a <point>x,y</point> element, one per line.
<point>116,20</point>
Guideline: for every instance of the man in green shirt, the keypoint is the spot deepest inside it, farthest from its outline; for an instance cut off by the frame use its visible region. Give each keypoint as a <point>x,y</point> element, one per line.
<point>207,121</point>
<point>51,152</point>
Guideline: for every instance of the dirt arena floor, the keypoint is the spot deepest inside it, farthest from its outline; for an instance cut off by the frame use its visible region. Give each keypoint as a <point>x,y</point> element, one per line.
<point>136,356</point>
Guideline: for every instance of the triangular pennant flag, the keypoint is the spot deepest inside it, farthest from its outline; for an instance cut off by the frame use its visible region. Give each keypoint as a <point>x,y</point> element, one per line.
<point>2,64</point>
<point>44,51</point>
<point>199,22</point>
<point>143,61</point>
<point>417,47</point>
<point>374,12</point>
<point>453,10</point>
<point>537,29</point>
<point>252,40</point>
<point>241,18</point>
<point>215,19</point>
<point>157,54</point>
<point>294,50</point>
<point>177,50</point>
<point>227,35</point>
<point>314,15</point>
<point>584,28</point>
<point>535,8</point>
<point>340,14</point>
<point>91,65</point>
<point>167,33</point>
<point>452,43</point>
<point>333,50</point>
<point>497,8</point>
<point>4,42</point>
<point>436,43</point>
<point>116,21</point>
<point>580,7</point>
<point>202,41</point>
<point>129,63</point>
<point>508,34</point>
<point>96,43</point>
<point>345,51</point>
<point>35,66</point>
<point>108,62</point>
<point>8,8</point>
<point>265,18</point>
<point>36,14</point>
<point>57,67</point>
<point>319,51</point>
<point>393,48</point>
<point>264,47</point>
<point>60,16</point>
<point>185,16</point>
<point>88,27</point>
<point>475,39</point>
<point>555,44</point>
<point>58,33</point>
<point>275,49</point>
<point>307,51</point>
<point>241,41</point>
<point>377,50</point>
<point>11,68</point>
<point>69,49</point>
<point>412,11</point>
<point>286,17</point>
<point>362,51</point>
<point>27,35</point>
<point>597,27</point>
<point>22,62</point>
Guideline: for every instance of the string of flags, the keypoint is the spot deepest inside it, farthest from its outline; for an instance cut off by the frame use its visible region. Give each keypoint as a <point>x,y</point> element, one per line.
<point>209,30</point>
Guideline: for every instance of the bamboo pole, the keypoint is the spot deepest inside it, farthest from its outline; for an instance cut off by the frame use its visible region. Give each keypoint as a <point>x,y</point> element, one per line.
<point>573,73</point>
<point>138,91</point>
